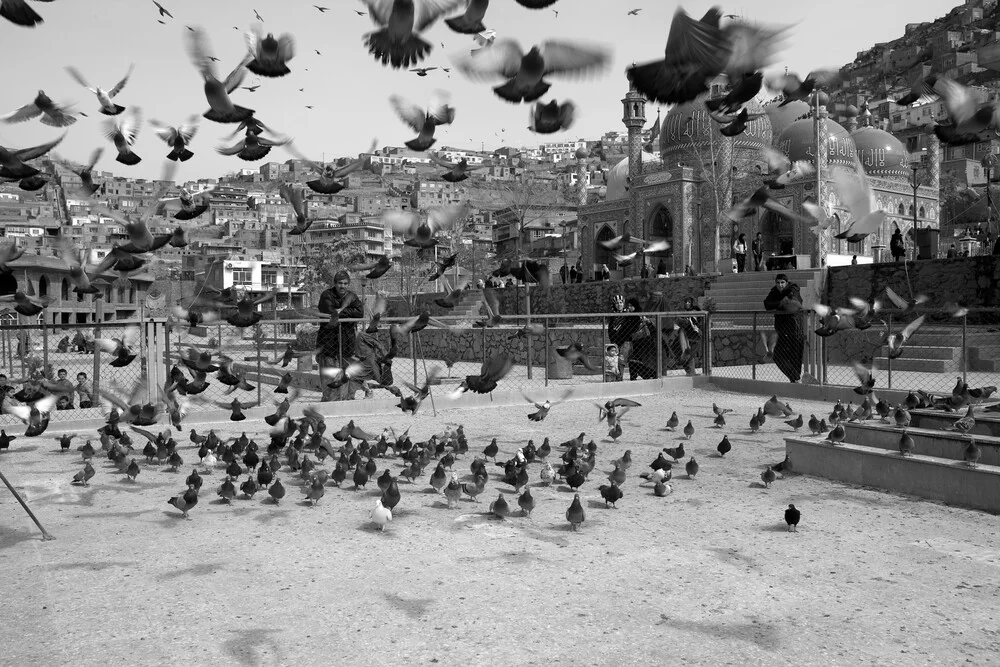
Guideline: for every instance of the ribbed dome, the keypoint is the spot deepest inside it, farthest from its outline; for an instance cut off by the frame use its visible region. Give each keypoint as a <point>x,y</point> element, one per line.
<point>782,117</point>
<point>618,174</point>
<point>881,154</point>
<point>690,123</point>
<point>798,142</point>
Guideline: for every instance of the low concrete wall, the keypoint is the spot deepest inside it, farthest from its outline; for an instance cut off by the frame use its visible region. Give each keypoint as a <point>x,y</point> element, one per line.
<point>939,444</point>
<point>596,297</point>
<point>923,476</point>
<point>935,419</point>
<point>805,392</point>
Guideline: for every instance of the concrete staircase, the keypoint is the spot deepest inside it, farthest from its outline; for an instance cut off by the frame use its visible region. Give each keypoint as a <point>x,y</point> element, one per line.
<point>936,470</point>
<point>938,349</point>
<point>468,305</point>
<point>746,291</point>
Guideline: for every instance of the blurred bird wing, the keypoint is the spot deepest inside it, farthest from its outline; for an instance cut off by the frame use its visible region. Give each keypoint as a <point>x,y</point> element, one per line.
<point>958,99</point>
<point>403,222</point>
<point>697,40</point>
<point>863,372</point>
<point>429,11</point>
<point>354,165</point>
<point>22,412</point>
<point>409,113</point>
<point>569,58</point>
<point>445,217</point>
<point>286,47</point>
<point>895,298</point>
<point>78,77</point>
<point>94,157</point>
<point>121,84</point>
<point>502,59</point>
<point>130,124</point>
<point>436,159</point>
<point>235,149</point>
<point>379,10</point>
<point>27,112</point>
<point>853,191</point>
<point>491,301</point>
<point>189,129</point>
<point>316,166</point>
<point>198,51</point>
<point>439,109</point>
<point>777,162</point>
<point>235,78</point>
<point>252,38</point>
<point>752,47</point>
<point>912,327</point>
<point>34,152</point>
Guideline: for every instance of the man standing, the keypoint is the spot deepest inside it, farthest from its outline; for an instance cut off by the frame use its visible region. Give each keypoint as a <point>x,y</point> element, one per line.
<point>785,299</point>
<point>757,248</point>
<point>563,273</point>
<point>336,340</point>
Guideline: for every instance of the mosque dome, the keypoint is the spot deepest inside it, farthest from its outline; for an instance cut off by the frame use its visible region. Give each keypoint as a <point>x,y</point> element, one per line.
<point>690,123</point>
<point>618,174</point>
<point>798,142</point>
<point>881,154</point>
<point>783,116</point>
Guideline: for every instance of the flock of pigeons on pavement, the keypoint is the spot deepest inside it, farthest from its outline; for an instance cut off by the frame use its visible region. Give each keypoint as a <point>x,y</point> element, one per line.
<point>697,51</point>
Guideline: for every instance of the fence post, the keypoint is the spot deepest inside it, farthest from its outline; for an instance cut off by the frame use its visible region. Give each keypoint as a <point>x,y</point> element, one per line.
<point>166,348</point>
<point>659,347</point>
<point>888,359</point>
<point>706,344</point>
<point>753,335</point>
<point>45,345</point>
<point>258,335</point>
<point>604,346</point>
<point>98,320</point>
<point>965,347</point>
<point>548,343</point>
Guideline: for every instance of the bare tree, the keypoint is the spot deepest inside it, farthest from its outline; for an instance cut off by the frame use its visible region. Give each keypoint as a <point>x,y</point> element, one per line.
<point>322,261</point>
<point>521,202</point>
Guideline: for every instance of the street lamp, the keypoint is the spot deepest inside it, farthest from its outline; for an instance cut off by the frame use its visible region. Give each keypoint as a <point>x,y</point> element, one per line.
<point>915,183</point>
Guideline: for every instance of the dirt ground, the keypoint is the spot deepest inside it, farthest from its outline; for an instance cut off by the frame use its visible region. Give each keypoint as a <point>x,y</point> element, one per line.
<point>707,575</point>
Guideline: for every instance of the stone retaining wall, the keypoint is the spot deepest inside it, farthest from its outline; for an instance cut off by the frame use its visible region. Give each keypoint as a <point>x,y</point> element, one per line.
<point>970,281</point>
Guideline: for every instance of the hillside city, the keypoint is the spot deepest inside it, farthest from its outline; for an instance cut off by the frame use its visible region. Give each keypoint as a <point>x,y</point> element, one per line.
<point>522,200</point>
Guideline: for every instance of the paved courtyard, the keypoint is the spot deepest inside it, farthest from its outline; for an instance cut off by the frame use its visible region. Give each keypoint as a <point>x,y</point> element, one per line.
<point>707,575</point>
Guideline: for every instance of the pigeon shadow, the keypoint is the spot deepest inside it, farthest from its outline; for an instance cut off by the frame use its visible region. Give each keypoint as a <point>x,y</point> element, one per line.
<point>757,485</point>
<point>775,528</point>
<point>92,567</point>
<point>12,539</point>
<point>562,488</point>
<point>597,505</point>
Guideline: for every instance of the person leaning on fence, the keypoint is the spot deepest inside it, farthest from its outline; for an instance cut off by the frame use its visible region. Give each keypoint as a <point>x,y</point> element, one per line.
<point>633,336</point>
<point>785,299</point>
<point>336,340</point>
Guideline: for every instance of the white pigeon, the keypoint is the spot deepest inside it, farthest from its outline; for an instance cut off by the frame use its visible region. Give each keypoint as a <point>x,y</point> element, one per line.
<point>856,194</point>
<point>108,108</point>
<point>380,515</point>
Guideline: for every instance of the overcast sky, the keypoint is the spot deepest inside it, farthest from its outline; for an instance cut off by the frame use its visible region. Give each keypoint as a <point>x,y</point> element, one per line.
<point>348,89</point>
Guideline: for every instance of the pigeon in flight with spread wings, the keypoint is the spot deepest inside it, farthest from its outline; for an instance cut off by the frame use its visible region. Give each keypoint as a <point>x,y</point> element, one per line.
<point>420,234</point>
<point>438,112</point>
<point>397,42</point>
<point>856,194</point>
<point>269,56</point>
<point>329,182</point>
<point>525,72</point>
<point>551,117</point>
<point>782,171</point>
<point>222,109</point>
<point>698,50</point>
<point>457,171</point>
<point>542,409</point>
<point>52,114</point>
<point>177,138</point>
<point>108,108</point>
<point>122,132</point>
<point>86,173</point>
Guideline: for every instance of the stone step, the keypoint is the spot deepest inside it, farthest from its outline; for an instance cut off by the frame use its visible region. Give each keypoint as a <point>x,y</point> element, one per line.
<point>987,423</point>
<point>984,361</point>
<point>948,353</point>
<point>930,477</point>
<point>929,442</point>
<point>906,363</point>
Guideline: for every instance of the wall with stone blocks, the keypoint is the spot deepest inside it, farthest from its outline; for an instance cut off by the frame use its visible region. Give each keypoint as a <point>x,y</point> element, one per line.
<point>969,281</point>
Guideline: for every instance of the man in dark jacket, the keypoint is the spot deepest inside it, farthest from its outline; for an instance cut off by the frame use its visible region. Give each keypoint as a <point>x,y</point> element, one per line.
<point>336,340</point>
<point>786,302</point>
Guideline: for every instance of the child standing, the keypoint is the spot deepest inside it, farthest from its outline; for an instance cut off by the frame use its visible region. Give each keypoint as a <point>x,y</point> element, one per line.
<point>612,363</point>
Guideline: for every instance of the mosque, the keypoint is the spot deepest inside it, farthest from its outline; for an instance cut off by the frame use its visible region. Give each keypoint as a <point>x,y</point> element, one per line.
<point>679,195</point>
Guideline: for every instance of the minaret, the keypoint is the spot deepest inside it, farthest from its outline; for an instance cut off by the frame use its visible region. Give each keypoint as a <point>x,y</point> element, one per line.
<point>634,119</point>
<point>582,158</point>
<point>819,101</point>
